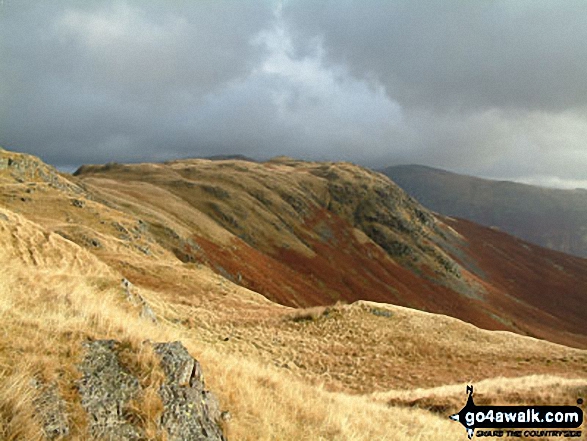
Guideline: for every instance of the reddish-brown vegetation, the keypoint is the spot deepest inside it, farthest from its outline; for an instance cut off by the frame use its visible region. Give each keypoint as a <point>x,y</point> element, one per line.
<point>306,234</point>
<point>535,286</point>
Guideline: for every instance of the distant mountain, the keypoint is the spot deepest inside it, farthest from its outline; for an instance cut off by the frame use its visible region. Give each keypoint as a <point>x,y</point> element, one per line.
<point>552,218</point>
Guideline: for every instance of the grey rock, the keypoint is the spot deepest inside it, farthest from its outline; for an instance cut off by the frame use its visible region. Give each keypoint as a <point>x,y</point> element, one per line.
<point>147,312</point>
<point>381,312</point>
<point>137,299</point>
<point>52,409</point>
<point>191,413</point>
<point>106,389</point>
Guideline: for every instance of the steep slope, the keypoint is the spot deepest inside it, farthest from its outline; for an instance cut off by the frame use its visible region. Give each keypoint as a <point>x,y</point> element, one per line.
<point>303,234</point>
<point>552,218</point>
<point>296,216</point>
<point>307,234</point>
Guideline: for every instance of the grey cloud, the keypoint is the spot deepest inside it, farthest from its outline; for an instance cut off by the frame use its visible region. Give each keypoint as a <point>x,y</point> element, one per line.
<point>492,88</point>
<point>87,79</point>
<point>459,54</point>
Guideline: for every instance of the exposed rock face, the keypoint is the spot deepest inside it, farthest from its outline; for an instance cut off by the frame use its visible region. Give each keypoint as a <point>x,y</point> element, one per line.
<point>106,388</point>
<point>191,412</point>
<point>22,168</point>
<point>407,231</point>
<point>52,409</point>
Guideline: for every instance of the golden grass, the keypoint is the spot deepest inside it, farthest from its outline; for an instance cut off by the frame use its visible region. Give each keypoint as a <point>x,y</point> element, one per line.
<point>18,418</point>
<point>54,295</point>
<point>266,405</point>
<point>309,314</point>
<point>537,388</point>
<point>144,364</point>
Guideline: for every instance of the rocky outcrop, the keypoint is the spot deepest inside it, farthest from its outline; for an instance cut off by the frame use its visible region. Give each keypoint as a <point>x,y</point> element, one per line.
<point>107,388</point>
<point>191,412</point>
<point>22,168</point>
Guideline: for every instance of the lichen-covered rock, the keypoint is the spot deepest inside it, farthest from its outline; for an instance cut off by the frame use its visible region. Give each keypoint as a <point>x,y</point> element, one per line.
<point>51,408</point>
<point>22,168</point>
<point>106,389</point>
<point>191,412</point>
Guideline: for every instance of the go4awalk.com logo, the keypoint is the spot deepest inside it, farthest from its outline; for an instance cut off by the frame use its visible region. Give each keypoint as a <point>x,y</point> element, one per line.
<point>520,421</point>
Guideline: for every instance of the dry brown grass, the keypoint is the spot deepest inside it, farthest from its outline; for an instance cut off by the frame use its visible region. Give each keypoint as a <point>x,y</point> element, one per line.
<point>349,374</point>
<point>266,404</point>
<point>147,408</point>
<point>528,390</point>
<point>309,314</point>
<point>47,316</point>
<point>18,418</point>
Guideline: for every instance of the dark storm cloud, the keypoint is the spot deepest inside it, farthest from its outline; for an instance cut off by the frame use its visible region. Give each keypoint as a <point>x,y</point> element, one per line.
<point>487,87</point>
<point>527,54</point>
<point>494,88</point>
<point>86,80</point>
<point>129,81</point>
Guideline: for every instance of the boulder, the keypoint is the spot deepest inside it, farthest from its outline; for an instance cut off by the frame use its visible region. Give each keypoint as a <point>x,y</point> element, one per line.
<point>191,412</point>
<point>107,387</point>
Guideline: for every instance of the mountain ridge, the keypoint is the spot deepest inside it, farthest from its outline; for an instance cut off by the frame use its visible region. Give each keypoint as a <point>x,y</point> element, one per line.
<point>313,234</point>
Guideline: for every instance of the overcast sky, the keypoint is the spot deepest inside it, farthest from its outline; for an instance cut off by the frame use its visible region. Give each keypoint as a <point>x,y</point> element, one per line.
<point>490,88</point>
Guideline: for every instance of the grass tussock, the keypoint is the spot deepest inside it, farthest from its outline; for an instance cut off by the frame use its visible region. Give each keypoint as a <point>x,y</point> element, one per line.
<point>18,416</point>
<point>147,408</point>
<point>309,314</point>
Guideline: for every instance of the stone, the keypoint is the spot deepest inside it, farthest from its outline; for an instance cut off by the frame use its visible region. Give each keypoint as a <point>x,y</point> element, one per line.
<point>52,409</point>
<point>146,312</point>
<point>191,413</point>
<point>106,388</point>
<point>78,203</point>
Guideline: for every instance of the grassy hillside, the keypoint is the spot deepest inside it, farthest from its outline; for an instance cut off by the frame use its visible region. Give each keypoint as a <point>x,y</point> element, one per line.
<point>283,374</point>
<point>360,371</point>
<point>318,233</point>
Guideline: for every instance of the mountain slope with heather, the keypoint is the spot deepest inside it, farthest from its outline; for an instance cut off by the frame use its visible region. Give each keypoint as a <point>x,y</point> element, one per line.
<point>305,234</point>
<point>218,252</point>
<point>552,218</point>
